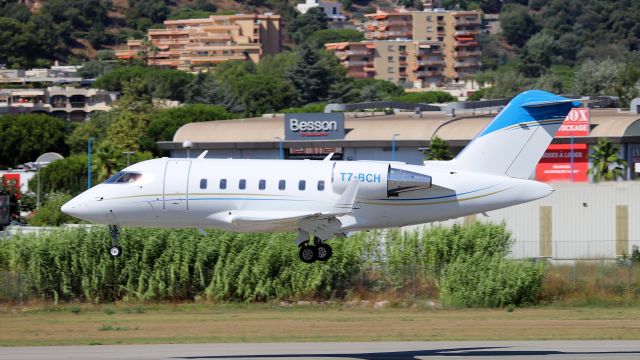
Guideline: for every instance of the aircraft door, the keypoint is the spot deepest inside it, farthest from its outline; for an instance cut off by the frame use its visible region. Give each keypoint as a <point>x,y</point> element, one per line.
<point>176,185</point>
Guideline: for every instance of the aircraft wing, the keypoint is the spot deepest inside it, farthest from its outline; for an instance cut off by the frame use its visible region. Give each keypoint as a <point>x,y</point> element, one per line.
<point>322,223</point>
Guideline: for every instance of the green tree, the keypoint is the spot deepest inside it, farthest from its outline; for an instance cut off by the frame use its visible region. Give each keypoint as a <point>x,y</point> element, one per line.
<point>439,150</point>
<point>96,127</point>
<point>25,137</point>
<point>376,90</point>
<point>313,74</point>
<point>595,78</point>
<point>68,175</point>
<point>50,214</point>
<point>20,47</point>
<point>165,123</point>
<point>261,94</point>
<point>425,97</point>
<point>306,24</point>
<point>321,37</point>
<point>206,89</point>
<point>606,162</point>
<point>141,14</point>
<point>517,25</point>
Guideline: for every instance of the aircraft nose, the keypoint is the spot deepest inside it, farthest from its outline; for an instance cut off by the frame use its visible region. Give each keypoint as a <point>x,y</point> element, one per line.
<point>70,208</point>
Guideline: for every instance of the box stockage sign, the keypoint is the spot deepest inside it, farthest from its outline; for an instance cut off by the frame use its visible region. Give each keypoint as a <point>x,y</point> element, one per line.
<point>314,126</point>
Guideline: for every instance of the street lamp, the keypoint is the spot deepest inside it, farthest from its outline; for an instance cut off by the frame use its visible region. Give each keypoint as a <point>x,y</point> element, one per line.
<point>393,147</point>
<point>91,140</point>
<point>187,144</point>
<point>128,153</point>
<point>280,141</point>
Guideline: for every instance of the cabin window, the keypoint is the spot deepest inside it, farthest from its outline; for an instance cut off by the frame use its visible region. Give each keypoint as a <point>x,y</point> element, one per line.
<point>262,184</point>
<point>243,184</point>
<point>282,184</point>
<point>223,184</point>
<point>302,185</point>
<point>203,183</point>
<point>321,185</point>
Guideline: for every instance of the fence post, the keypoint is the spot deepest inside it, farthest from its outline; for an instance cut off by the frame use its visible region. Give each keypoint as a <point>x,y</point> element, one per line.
<point>602,273</point>
<point>575,275</point>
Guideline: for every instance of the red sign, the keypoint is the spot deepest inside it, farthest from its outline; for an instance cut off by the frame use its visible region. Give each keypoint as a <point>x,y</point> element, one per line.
<point>575,124</point>
<point>555,164</point>
<point>11,180</point>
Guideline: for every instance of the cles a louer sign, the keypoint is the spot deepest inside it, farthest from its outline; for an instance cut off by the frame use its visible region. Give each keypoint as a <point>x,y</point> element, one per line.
<point>314,126</point>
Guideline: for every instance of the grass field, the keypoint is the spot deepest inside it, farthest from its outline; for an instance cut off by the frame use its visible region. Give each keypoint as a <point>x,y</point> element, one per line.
<point>193,323</point>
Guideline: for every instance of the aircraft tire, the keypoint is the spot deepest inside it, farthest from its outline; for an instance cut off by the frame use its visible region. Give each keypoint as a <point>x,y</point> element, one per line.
<point>308,253</point>
<point>115,251</point>
<point>323,252</point>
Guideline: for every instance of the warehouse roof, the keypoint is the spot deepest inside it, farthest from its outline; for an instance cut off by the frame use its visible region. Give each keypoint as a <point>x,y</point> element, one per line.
<point>368,131</point>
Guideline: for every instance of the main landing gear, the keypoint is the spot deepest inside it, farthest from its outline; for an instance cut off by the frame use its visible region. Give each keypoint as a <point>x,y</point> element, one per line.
<point>115,250</point>
<point>318,251</point>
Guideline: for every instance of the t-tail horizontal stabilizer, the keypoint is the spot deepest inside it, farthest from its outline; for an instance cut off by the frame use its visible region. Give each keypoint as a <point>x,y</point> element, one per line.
<point>515,140</point>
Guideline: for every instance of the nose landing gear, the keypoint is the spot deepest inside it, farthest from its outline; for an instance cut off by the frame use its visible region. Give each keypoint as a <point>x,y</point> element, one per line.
<point>115,250</point>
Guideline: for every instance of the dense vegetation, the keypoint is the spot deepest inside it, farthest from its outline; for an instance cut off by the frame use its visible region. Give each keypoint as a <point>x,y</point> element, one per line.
<point>178,265</point>
<point>566,46</point>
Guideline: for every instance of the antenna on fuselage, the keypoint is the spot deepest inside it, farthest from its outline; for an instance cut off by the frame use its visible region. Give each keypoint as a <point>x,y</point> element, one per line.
<point>203,154</point>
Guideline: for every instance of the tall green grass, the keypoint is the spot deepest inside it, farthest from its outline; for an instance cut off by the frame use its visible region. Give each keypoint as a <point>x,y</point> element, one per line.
<point>182,265</point>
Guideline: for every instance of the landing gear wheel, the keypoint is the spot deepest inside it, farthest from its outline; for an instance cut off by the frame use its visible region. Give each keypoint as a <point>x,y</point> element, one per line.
<point>115,251</point>
<point>308,253</point>
<point>114,231</point>
<point>324,252</point>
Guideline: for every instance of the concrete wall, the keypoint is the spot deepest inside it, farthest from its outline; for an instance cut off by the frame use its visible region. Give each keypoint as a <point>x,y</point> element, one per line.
<point>577,221</point>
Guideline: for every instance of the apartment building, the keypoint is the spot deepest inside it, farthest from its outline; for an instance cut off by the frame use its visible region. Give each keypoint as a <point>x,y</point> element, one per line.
<point>193,43</point>
<point>409,63</point>
<point>456,30</point>
<point>419,49</point>
<point>69,103</point>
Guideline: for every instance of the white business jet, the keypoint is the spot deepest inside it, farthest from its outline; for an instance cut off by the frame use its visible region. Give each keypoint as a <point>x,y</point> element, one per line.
<point>326,199</point>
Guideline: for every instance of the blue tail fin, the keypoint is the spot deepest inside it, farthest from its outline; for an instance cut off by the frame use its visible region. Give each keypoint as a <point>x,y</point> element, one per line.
<point>515,140</point>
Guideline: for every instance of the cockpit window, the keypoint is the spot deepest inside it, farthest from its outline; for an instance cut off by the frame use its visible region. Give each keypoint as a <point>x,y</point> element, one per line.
<point>124,177</point>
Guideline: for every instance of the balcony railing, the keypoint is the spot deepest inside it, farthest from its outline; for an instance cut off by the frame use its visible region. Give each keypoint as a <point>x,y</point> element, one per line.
<point>357,52</point>
<point>428,73</point>
<point>462,21</point>
<point>429,62</point>
<point>467,32</point>
<point>466,64</point>
<point>467,53</point>
<point>355,63</point>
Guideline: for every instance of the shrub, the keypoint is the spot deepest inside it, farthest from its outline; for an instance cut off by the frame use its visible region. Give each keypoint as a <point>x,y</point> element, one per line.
<point>491,281</point>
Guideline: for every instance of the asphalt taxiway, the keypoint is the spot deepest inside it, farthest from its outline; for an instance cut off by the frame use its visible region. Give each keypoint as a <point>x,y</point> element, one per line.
<point>468,350</point>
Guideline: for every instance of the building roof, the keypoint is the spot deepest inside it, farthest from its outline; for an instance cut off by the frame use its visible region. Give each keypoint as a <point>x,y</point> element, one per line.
<point>373,131</point>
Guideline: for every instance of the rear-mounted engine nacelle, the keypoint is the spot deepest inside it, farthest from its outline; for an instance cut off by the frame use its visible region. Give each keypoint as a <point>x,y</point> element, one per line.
<point>377,180</point>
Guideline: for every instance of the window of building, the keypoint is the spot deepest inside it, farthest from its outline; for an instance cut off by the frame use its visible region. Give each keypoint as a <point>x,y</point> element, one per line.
<point>302,184</point>
<point>335,11</point>
<point>390,69</point>
<point>403,48</point>
<point>223,184</point>
<point>282,184</point>
<point>440,18</point>
<point>429,29</point>
<point>262,184</point>
<point>403,58</point>
<point>428,18</point>
<point>203,184</point>
<point>440,38</point>
<point>320,185</point>
<point>390,58</point>
<point>242,184</point>
<point>389,47</point>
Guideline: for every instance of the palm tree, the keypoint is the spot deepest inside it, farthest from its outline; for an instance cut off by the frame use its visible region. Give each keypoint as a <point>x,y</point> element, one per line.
<point>439,150</point>
<point>607,165</point>
<point>107,161</point>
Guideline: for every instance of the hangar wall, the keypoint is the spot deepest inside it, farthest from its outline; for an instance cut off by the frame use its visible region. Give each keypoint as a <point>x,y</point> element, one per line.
<point>577,221</point>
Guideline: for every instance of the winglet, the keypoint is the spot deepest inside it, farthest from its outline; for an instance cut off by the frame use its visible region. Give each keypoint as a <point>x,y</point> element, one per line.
<point>328,157</point>
<point>344,205</point>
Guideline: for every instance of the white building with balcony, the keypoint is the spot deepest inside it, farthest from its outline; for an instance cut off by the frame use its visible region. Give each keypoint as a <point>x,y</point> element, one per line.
<point>69,103</point>
<point>333,10</point>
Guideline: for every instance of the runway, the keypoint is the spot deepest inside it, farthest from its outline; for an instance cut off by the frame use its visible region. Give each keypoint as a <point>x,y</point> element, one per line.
<point>468,350</point>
